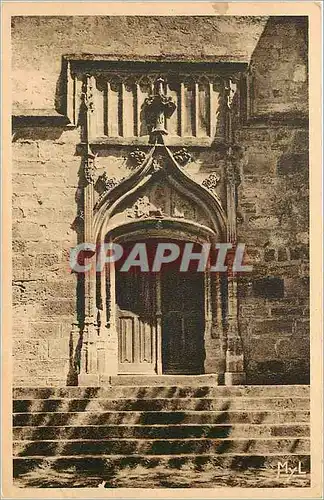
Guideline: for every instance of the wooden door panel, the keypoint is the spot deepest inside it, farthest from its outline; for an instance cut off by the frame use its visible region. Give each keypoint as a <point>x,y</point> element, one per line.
<point>183,323</point>
<point>126,340</point>
<point>136,323</point>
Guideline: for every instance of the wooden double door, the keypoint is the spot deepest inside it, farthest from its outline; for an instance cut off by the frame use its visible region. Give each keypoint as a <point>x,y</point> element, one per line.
<point>160,322</point>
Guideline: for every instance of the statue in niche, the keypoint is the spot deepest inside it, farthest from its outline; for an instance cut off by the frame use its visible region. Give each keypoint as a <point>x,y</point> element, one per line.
<point>231,88</point>
<point>157,108</point>
<point>182,208</point>
<point>159,196</point>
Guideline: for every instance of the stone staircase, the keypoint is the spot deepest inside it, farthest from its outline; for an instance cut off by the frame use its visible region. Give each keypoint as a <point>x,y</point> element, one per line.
<point>137,432</point>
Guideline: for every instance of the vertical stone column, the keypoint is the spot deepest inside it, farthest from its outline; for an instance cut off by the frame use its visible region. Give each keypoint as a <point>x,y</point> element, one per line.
<point>234,373</point>
<point>88,375</point>
<point>108,336</point>
<point>216,354</point>
<point>209,365</point>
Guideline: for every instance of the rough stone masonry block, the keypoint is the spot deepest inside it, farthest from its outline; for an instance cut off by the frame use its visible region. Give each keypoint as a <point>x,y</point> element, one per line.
<point>27,166</point>
<point>25,151</point>
<point>297,287</point>
<point>30,349</point>
<point>64,289</point>
<point>28,231</point>
<point>262,348</point>
<point>263,222</point>
<point>59,348</point>
<point>47,259</point>
<point>269,287</point>
<point>45,329</point>
<point>272,326</point>
<point>294,347</point>
<point>292,163</point>
<point>49,150</point>
<point>24,183</point>
<point>59,307</point>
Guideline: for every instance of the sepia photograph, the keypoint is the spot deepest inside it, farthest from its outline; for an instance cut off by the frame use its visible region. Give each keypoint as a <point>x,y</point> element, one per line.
<point>160,250</point>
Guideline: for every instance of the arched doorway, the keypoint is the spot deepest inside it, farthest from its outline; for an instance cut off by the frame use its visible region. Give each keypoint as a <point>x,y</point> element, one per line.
<point>178,332</point>
<point>160,315</point>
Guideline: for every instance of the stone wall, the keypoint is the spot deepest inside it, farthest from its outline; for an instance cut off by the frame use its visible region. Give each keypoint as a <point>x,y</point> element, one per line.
<point>273,195</point>
<point>273,210</point>
<point>45,179</point>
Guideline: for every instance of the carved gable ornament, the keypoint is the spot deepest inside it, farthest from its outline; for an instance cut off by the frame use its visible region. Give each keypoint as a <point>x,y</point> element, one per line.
<point>159,189</point>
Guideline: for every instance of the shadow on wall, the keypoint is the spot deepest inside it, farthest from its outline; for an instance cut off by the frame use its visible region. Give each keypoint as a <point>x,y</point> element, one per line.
<point>279,68</point>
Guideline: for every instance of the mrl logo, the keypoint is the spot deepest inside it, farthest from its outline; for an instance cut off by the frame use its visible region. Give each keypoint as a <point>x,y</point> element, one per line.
<point>283,469</point>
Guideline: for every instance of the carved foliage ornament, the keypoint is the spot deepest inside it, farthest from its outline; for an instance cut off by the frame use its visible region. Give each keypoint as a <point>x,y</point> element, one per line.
<point>182,157</point>
<point>89,171</point>
<point>137,156</point>
<point>158,163</point>
<point>108,183</point>
<point>211,181</point>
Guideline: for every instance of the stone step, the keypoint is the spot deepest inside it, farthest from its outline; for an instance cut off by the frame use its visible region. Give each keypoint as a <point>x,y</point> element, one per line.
<point>160,432</point>
<point>160,471</point>
<point>150,392</point>
<point>166,380</point>
<point>155,417</point>
<point>161,447</point>
<point>166,404</point>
